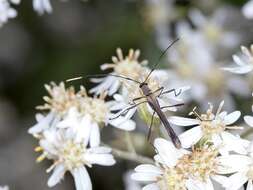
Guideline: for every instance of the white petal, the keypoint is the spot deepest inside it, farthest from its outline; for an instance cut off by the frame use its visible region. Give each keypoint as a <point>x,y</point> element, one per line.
<point>141,176</point>
<point>148,168</point>
<point>82,179</point>
<point>223,180</point>
<point>249,186</point>
<point>114,88</point>
<point>208,185</point>
<point>94,136</point>
<point>57,175</point>
<point>182,121</point>
<point>236,181</point>
<point>100,159</point>
<point>232,117</point>
<point>240,70</point>
<point>39,117</point>
<point>122,123</point>
<point>167,152</point>
<point>232,163</point>
<point>198,185</point>
<point>247,9</point>
<point>99,150</point>
<point>238,60</point>
<point>234,143</point>
<point>43,123</point>
<point>191,137</point>
<point>249,120</point>
<point>152,186</point>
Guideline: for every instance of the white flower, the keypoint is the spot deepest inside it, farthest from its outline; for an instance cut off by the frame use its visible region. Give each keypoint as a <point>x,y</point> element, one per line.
<point>212,127</point>
<point>87,127</point>
<point>212,29</point>
<point>127,67</point>
<point>43,123</point>
<point>244,61</point>
<point>79,113</point>
<point>241,168</point>
<point>247,9</point>
<point>70,154</point>
<point>58,103</point>
<point>42,6</point>
<point>4,187</point>
<point>179,169</point>
<point>6,12</point>
<point>193,65</point>
<point>129,183</point>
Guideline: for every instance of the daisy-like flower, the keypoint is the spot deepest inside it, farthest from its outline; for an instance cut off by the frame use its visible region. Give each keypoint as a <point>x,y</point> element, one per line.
<point>77,111</point>
<point>211,127</point>
<point>192,64</point>
<point>244,61</point>
<point>95,113</point>
<point>70,154</point>
<point>247,9</point>
<point>241,168</point>
<point>57,104</point>
<point>180,169</point>
<point>212,29</point>
<point>42,6</point>
<point>168,99</point>
<point>6,11</point>
<point>128,66</point>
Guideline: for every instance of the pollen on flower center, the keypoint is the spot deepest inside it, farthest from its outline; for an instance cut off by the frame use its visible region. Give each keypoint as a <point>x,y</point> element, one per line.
<point>212,32</point>
<point>185,70</point>
<point>61,98</point>
<point>172,179</point>
<point>215,81</point>
<point>212,127</point>
<point>128,66</point>
<point>209,122</point>
<point>200,164</point>
<point>71,154</point>
<point>96,108</point>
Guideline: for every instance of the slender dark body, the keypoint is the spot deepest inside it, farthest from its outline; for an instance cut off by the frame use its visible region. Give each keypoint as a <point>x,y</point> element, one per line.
<point>154,104</point>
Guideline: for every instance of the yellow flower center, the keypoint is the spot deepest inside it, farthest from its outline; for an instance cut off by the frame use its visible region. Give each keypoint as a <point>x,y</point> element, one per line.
<point>71,154</point>
<point>61,99</point>
<point>185,70</point>
<point>128,66</point>
<point>172,179</point>
<point>200,164</point>
<point>212,127</point>
<point>215,82</point>
<point>96,108</point>
<point>213,33</point>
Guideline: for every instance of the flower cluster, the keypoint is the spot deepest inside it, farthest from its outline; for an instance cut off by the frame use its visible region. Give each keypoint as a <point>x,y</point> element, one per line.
<point>69,128</point>
<point>210,153</point>
<point>69,133</point>
<point>7,11</point>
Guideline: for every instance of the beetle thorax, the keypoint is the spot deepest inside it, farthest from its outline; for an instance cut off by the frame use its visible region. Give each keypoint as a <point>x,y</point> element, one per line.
<point>145,89</point>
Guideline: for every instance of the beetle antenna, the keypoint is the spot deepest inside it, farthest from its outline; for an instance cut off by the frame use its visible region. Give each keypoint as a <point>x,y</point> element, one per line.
<point>160,57</point>
<point>103,75</point>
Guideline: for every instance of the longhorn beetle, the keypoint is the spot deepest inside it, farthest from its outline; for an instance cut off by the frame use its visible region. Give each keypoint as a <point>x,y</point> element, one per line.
<point>151,99</point>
